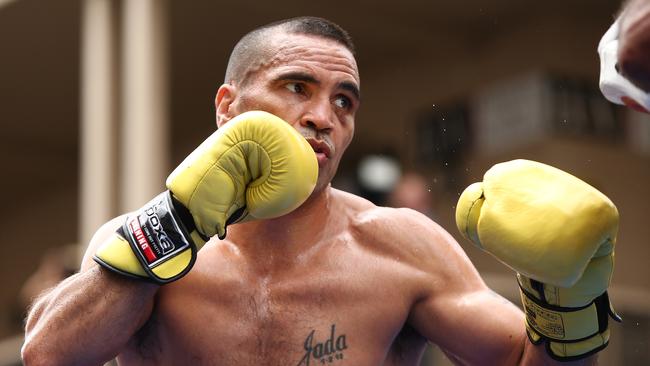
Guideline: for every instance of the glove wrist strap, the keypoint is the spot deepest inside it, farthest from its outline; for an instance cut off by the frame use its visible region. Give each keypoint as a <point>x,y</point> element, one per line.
<point>570,333</point>
<point>160,240</point>
<point>562,324</point>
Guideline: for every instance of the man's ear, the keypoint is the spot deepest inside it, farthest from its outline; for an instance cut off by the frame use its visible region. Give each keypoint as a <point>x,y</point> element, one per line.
<point>223,103</point>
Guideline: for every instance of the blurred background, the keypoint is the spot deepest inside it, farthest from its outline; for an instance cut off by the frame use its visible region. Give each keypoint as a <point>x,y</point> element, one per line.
<point>101,99</point>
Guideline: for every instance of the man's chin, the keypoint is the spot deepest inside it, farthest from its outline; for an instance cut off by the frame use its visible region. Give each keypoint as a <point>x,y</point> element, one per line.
<point>321,185</point>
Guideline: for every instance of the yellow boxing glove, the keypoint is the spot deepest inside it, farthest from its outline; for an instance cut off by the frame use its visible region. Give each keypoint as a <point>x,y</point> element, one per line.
<point>558,233</point>
<point>256,166</point>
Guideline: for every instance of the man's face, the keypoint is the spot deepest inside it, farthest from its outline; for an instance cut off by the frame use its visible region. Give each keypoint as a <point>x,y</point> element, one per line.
<point>312,83</point>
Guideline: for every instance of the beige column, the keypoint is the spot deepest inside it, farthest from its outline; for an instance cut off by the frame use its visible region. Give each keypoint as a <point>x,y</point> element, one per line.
<point>144,132</point>
<point>98,118</point>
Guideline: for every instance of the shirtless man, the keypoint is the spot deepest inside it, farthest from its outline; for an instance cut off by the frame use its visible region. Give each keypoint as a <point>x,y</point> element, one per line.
<point>336,281</point>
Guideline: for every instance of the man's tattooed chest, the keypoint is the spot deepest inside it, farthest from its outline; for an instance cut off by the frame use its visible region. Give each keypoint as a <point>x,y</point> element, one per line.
<point>324,347</point>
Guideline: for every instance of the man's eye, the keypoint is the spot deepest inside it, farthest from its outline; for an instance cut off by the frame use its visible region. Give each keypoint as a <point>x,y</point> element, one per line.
<point>295,88</point>
<point>342,102</point>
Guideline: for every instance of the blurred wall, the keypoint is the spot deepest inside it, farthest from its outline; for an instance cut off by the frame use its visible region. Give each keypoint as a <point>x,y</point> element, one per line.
<point>39,98</point>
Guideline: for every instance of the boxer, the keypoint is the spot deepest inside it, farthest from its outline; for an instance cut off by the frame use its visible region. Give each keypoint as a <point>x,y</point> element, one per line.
<point>295,272</point>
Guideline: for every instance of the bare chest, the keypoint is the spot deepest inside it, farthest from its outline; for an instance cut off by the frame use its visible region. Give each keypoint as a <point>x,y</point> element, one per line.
<point>347,308</point>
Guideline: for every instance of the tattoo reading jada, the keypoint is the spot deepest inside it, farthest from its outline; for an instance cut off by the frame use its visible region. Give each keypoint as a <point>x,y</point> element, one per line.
<point>324,352</point>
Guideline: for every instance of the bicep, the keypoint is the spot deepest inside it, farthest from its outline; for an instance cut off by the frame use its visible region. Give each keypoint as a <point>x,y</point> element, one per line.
<point>460,314</point>
<point>475,327</point>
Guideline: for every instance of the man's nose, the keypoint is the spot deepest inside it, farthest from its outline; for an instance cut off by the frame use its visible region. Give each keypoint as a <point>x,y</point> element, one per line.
<point>318,116</point>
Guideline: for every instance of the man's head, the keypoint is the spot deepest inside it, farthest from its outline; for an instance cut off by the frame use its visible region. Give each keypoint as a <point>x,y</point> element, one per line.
<point>253,47</point>
<point>302,70</point>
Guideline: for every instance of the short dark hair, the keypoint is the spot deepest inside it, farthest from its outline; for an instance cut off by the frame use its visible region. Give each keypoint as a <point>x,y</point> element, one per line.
<point>252,46</point>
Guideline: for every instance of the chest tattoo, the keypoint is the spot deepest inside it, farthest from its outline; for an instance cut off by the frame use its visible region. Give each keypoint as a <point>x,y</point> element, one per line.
<point>322,350</point>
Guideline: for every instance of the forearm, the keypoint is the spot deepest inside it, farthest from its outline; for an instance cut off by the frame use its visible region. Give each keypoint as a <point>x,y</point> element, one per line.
<point>86,319</point>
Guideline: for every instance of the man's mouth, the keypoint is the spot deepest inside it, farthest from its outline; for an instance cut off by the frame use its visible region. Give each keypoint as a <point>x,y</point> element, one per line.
<point>321,148</point>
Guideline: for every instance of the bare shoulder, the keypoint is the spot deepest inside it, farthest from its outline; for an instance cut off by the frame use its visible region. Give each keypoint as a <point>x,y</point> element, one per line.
<point>404,234</point>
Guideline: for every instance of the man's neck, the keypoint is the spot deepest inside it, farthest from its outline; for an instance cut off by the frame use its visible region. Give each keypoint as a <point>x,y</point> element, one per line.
<point>291,234</point>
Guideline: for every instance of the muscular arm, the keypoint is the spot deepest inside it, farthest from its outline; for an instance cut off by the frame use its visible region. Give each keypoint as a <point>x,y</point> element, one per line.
<point>89,317</point>
<point>456,310</point>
